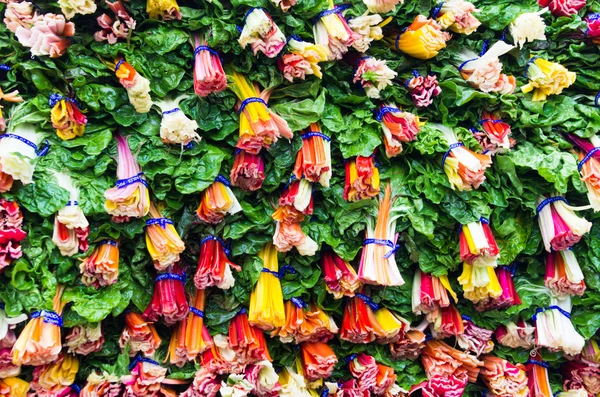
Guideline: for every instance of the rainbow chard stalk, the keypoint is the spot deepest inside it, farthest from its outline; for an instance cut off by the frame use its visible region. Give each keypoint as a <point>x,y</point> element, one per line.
<point>214,268</point>
<point>457,16</point>
<point>85,339</point>
<point>72,7</point>
<point>378,261</point>
<point>313,161</point>
<point>422,39</point>
<point>509,296</point>
<point>318,360</point>
<point>475,339</point>
<point>305,322</point>
<point>441,360</point>
<point>101,269</point>
<point>484,72</point>
<point>190,337</point>
<point>40,343</point>
<point>145,379</point>
<point>410,344</point>
<point>209,76</point>
<point>71,228</point>
<point>137,86</point>
<point>563,274</point>
<point>331,30</point>
<point>216,201</point>
<point>169,300</point>
<point>528,27</point>
<point>373,75</point>
<point>519,334</point>
<point>248,171</point>
<point>301,59</point>
<point>340,277</point>
<point>130,197</point>
<point>175,126</point>
<point>293,383</point>
<point>465,169</point>
<point>559,225</point>
<point>593,28</point>
<point>362,178</point>
<point>7,341</point>
<point>120,28</point>
<point>537,375</point>
<point>563,8</point>
<point>591,352</point>
<point>422,89</point>
<point>18,150</point>
<point>14,387</point>
<point>367,28</point>
<point>430,294</point>
<point>141,336</point>
<point>580,376</point>
<point>56,378</point>
<point>101,385</point>
<point>10,97</point>
<point>589,165</point>
<point>448,323</point>
<point>503,378</point>
<point>11,232</point>
<point>167,10</point>
<point>247,341</point>
<point>266,300</point>
<point>261,33</point>
<point>553,327</point>
<point>259,126</point>
<point>205,384</point>
<point>66,117</point>
<point>162,240</point>
<point>360,325</point>
<point>546,78</point>
<point>393,326</point>
<point>397,126</point>
<point>382,6</point>
<point>495,135</point>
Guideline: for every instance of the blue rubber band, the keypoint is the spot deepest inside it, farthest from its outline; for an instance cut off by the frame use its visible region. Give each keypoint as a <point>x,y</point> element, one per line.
<point>38,152</point>
<point>388,243</point>
<point>237,151</point>
<point>384,110</point>
<point>334,10</point>
<point>467,318</point>
<point>436,10</point>
<point>587,158</point>
<point>494,121</point>
<point>163,222</point>
<point>205,48</point>
<point>281,273</point>
<point>121,183</point>
<point>597,100</point>
<point>325,392</point>
<point>299,303</point>
<point>537,362</point>
<point>315,133</point>
<point>512,268</point>
<point>118,65</point>
<point>547,201</point>
<point>72,204</point>
<point>76,388</point>
<point>248,101</point>
<point>197,312</point>
<point>170,276</point>
<point>223,180</point>
<point>5,67</point>
<point>243,311</point>
<point>174,110</point>
<point>484,49</point>
<point>528,65</point>
<point>593,17</point>
<point>368,301</point>
<point>350,358</point>
<point>503,35</point>
<point>289,182</point>
<point>462,65</point>
<point>107,242</point>
<point>139,359</point>
<point>452,147</point>
<point>484,220</point>
<point>2,305</point>
<point>553,307</point>
<point>49,317</point>
<point>226,246</point>
<point>398,39</point>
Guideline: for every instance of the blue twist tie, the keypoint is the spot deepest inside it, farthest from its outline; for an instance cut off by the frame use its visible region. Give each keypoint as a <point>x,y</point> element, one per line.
<point>190,145</point>
<point>243,311</point>
<point>484,220</point>
<point>239,29</point>
<point>247,101</point>
<point>289,182</point>
<point>5,67</point>
<point>388,243</point>
<point>38,152</point>
<point>325,392</point>
<point>462,65</point>
<point>54,99</point>
<point>368,301</point>
<point>223,180</point>
<point>237,151</point>
<point>121,183</point>
<point>490,121</point>
<point>384,110</point>
<point>2,305</point>
<point>281,273</point>
<point>537,362</point>
<point>528,65</point>
<point>197,312</point>
<point>315,133</point>
<point>593,17</point>
<point>299,303</point>
<point>205,48</point>
<point>350,358</point>
<point>75,387</point>
<point>174,110</point>
<point>436,10</point>
<point>504,32</point>
<point>163,222</point>
<point>549,201</point>
<point>553,307</point>
<point>139,358</point>
<point>398,39</point>
<point>49,317</point>
<point>109,242</point>
<point>72,204</point>
<point>512,268</point>
<point>226,246</point>
<point>170,276</point>
<point>597,99</point>
<point>334,10</point>
<point>452,147</point>
<point>484,49</point>
<point>587,158</point>
<point>467,318</point>
<point>428,337</point>
<point>118,65</point>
